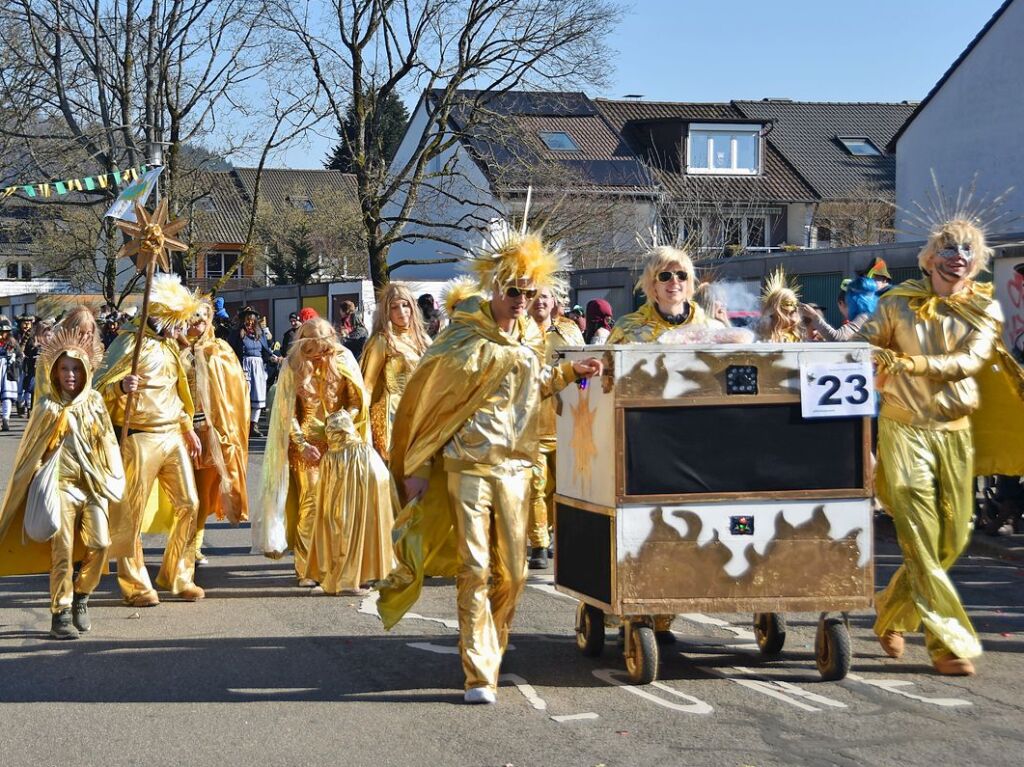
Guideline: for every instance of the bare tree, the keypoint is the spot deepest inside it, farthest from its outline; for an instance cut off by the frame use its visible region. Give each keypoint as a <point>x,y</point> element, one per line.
<point>864,218</point>
<point>362,51</point>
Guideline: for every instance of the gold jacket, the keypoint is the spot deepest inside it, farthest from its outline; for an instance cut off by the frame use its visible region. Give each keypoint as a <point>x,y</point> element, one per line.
<point>645,324</point>
<point>560,334</point>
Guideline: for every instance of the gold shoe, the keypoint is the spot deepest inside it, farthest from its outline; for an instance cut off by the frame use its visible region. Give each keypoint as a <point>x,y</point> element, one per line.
<point>145,599</point>
<point>191,593</point>
<point>893,644</point>
<point>950,665</point>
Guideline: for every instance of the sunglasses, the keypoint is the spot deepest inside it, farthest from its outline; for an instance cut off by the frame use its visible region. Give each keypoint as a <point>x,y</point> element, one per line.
<point>953,252</point>
<point>666,276</point>
<point>514,292</point>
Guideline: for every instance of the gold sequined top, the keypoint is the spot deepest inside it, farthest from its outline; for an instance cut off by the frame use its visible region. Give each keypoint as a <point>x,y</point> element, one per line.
<point>309,426</point>
<point>952,351</point>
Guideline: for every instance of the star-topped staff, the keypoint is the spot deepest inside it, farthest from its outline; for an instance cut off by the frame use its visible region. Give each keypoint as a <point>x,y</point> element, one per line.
<point>151,243</point>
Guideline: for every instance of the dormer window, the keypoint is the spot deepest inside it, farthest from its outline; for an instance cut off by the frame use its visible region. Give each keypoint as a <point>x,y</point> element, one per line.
<point>206,204</point>
<point>724,149</point>
<point>301,203</point>
<point>859,145</point>
<point>558,141</point>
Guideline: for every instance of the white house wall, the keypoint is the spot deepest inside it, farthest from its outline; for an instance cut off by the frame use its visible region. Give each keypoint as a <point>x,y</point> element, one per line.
<point>972,125</point>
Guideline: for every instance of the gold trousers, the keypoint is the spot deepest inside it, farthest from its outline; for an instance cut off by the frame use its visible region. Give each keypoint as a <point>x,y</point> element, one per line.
<point>542,500</point>
<point>208,492</point>
<point>308,478</point>
<point>491,516</point>
<point>929,488</point>
<point>90,520</point>
<point>160,457</point>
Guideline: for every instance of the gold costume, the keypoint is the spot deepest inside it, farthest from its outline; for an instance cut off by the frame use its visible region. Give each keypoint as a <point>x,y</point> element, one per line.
<point>89,476</point>
<point>926,454</point>
<point>336,514</point>
<point>469,419</point>
<point>559,334</point>
<point>386,365</point>
<point>645,325</point>
<point>154,451</point>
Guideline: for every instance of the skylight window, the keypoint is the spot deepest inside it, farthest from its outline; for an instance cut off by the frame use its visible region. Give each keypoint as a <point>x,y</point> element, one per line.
<point>558,141</point>
<point>859,145</point>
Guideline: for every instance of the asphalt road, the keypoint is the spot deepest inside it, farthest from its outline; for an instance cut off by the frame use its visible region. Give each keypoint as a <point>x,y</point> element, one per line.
<point>261,673</point>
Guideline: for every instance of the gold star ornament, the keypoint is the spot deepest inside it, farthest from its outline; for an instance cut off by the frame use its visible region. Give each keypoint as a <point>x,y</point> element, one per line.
<point>152,237</point>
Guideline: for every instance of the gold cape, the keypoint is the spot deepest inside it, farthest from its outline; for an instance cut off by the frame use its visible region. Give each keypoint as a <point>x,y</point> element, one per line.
<point>998,423</point>
<point>85,418</point>
<point>275,517</point>
<point>645,324</point>
<point>459,371</point>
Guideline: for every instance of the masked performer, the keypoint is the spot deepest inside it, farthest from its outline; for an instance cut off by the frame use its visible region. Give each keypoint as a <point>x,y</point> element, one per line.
<point>781,321</point>
<point>465,441</point>
<point>558,332</point>
<point>326,493</point>
<point>160,445</point>
<point>668,283</point>
<point>946,374</point>
<point>67,456</point>
<point>389,357</point>
<point>221,398</point>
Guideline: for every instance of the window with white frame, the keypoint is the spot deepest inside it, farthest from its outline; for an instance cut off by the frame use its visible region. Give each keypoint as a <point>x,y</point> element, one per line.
<point>859,145</point>
<point>218,263</point>
<point>19,270</point>
<point>724,148</point>
<point>749,231</point>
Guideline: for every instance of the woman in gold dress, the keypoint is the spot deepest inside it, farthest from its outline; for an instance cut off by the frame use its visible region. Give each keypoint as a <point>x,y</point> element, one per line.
<point>326,493</point>
<point>391,353</point>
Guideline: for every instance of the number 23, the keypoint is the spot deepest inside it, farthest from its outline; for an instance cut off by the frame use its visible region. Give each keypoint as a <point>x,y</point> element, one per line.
<point>860,392</point>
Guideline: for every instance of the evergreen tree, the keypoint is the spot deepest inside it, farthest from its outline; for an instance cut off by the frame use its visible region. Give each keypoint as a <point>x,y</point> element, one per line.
<point>292,259</point>
<point>393,117</point>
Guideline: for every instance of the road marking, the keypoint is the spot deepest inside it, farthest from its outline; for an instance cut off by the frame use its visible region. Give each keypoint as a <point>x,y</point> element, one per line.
<point>575,717</point>
<point>894,685</point>
<point>368,606</point>
<point>547,588</point>
<point>271,690</point>
<point>745,634</point>
<point>437,648</point>
<point>526,689</point>
<point>695,706</point>
<point>775,689</point>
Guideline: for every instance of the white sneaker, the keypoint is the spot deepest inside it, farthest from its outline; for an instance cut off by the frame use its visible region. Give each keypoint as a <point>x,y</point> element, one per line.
<point>480,695</point>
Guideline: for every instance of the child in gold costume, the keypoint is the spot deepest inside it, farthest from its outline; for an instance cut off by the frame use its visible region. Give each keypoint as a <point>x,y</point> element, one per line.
<point>945,374</point>
<point>326,493</point>
<point>558,333</point>
<point>465,441</point>
<point>389,357</point>
<point>160,446</point>
<point>69,424</point>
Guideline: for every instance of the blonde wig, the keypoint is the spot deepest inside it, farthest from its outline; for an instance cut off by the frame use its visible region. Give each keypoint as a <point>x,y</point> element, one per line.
<point>312,338</point>
<point>81,319</point>
<point>507,256</point>
<point>951,234</point>
<point>661,259</point>
<point>780,310</point>
<point>397,291</point>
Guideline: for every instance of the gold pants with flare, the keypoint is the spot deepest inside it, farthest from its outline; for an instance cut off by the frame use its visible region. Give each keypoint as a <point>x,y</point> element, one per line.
<point>928,488</point>
<point>491,516</point>
<point>308,478</point>
<point>90,519</point>
<point>159,457</point>
<point>542,499</point>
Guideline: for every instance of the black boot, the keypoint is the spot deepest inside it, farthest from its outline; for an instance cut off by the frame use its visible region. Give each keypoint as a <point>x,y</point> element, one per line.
<point>538,558</point>
<point>61,625</point>
<point>5,425</point>
<point>80,612</point>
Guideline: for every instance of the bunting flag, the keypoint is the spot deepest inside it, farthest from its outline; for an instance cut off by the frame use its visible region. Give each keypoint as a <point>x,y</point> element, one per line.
<point>86,183</point>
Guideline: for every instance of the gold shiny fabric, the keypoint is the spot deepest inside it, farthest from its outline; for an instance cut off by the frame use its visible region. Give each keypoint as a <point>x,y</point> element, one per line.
<point>81,427</point>
<point>490,514</point>
<point>148,458</point>
<point>386,365</point>
<point>645,325</point>
<point>83,517</point>
<point>929,490</point>
<point>354,510</point>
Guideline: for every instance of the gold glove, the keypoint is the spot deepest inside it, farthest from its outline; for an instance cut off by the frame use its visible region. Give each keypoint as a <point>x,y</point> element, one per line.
<point>895,363</point>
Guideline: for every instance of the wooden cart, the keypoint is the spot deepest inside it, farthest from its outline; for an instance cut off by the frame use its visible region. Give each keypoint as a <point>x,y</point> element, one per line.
<point>689,480</point>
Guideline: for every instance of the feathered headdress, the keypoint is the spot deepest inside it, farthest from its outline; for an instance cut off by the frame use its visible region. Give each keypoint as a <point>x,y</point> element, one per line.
<point>73,342</point>
<point>779,287</point>
<point>506,256</point>
<point>170,303</point>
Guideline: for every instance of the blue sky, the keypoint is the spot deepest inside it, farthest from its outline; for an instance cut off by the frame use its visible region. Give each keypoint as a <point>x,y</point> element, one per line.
<point>814,50</point>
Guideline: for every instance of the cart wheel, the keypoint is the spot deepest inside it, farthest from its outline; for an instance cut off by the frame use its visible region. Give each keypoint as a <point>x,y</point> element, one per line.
<point>589,630</point>
<point>642,655</point>
<point>770,632</point>
<point>832,649</point>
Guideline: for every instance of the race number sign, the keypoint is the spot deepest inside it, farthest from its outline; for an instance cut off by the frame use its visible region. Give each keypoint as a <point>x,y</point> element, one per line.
<point>831,390</point>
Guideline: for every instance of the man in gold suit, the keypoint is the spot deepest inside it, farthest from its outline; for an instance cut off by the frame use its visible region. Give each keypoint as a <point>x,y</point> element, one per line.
<point>938,339</point>
<point>558,333</point>
<point>466,437</point>
<point>160,446</point>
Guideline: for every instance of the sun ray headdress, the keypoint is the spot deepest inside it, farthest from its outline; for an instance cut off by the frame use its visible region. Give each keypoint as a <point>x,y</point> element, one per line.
<point>779,300</point>
<point>171,305</point>
<point>506,256</point>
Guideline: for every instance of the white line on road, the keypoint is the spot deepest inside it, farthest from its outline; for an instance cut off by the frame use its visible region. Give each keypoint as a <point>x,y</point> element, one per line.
<point>437,648</point>
<point>547,588</point>
<point>575,717</point>
<point>270,690</point>
<point>368,606</point>
<point>895,685</point>
<point>695,706</point>
<point>526,689</point>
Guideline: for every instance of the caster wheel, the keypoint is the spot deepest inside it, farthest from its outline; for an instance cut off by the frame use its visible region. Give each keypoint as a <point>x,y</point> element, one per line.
<point>832,653</point>
<point>770,632</point>
<point>642,655</point>
<point>589,630</point>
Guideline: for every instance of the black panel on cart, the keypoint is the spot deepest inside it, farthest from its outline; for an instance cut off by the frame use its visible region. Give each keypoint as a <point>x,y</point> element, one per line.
<point>730,449</point>
<point>583,551</point>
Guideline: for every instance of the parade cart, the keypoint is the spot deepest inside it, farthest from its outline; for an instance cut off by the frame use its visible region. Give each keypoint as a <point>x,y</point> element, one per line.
<point>718,478</point>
